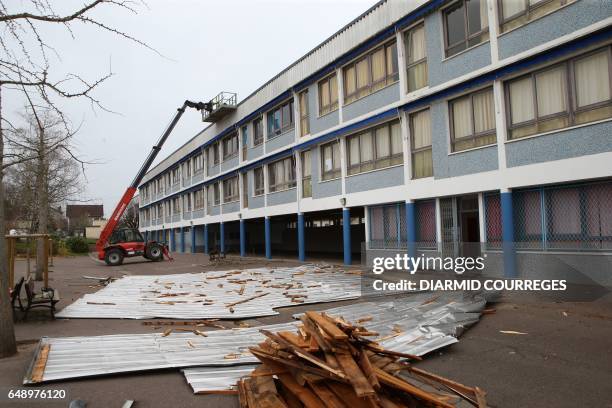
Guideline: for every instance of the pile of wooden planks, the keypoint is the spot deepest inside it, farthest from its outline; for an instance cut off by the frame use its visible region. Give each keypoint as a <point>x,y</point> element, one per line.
<point>330,363</point>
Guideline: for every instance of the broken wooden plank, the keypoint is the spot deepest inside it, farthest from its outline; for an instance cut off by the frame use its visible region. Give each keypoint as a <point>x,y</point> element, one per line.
<point>327,326</point>
<point>360,383</point>
<point>41,363</point>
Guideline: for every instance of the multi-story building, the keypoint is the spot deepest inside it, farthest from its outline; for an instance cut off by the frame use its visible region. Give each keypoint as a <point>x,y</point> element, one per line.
<point>421,126</point>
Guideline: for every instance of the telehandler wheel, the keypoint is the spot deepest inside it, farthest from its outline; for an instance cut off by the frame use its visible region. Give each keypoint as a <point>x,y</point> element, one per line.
<point>113,257</point>
<point>154,252</point>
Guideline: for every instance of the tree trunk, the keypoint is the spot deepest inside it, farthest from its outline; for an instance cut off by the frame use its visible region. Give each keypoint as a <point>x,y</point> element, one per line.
<point>8,346</point>
<point>43,202</point>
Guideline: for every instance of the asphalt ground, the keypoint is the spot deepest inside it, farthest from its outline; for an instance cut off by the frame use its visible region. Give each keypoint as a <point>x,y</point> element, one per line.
<point>564,359</point>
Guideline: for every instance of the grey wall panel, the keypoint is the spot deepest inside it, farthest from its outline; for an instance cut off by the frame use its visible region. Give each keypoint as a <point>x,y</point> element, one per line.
<point>383,178</point>
<point>281,140</point>
<point>255,152</point>
<point>256,202</point>
<point>442,70</point>
<point>231,207</point>
<point>213,171</point>
<point>319,123</point>
<point>561,22</point>
<point>197,178</point>
<point>215,210</point>
<point>326,188</point>
<point>282,197</point>
<point>565,144</point>
<point>371,102</point>
<point>469,162</point>
<point>230,163</point>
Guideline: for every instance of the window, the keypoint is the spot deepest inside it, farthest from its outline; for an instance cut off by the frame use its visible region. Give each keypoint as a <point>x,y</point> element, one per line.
<point>258,178</point>
<point>472,120</point>
<point>175,176</point>
<point>186,170</point>
<point>328,94</point>
<point>176,205</point>
<point>187,202</point>
<point>245,141</point>
<point>168,209</point>
<point>258,132</point>
<point>213,154</point>
<point>210,198</point>
<point>375,148</point>
<point>371,72</point>
<point>198,199</point>
<point>330,160</point>
<point>280,119</point>
<point>306,174</point>
<point>515,13</point>
<point>230,146</point>
<point>420,142</point>
<point>198,163</point>
<point>304,114</point>
<point>217,193</point>
<point>466,25</point>
<point>281,174</point>
<point>230,190</point>
<point>540,101</point>
<point>416,57</point>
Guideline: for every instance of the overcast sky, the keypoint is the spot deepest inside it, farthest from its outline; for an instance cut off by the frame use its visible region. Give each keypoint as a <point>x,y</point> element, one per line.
<point>207,46</point>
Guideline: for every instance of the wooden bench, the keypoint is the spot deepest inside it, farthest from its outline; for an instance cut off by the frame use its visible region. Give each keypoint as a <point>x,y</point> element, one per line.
<point>47,298</point>
<point>15,298</point>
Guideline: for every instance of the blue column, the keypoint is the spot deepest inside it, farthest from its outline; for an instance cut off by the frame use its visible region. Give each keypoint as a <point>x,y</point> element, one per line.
<point>206,238</point>
<point>222,237</point>
<point>172,240</point>
<point>182,233</point>
<point>346,235</point>
<point>242,238</point>
<point>411,234</point>
<point>301,240</point>
<point>508,235</point>
<point>267,237</point>
<point>193,239</point>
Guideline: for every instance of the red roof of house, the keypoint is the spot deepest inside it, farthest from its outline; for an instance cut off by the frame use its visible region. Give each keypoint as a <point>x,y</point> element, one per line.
<point>87,210</point>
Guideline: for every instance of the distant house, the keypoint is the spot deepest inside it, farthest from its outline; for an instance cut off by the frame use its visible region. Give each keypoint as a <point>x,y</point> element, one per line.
<point>81,216</point>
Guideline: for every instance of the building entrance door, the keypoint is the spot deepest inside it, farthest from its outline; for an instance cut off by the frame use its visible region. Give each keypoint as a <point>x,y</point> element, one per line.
<point>460,226</point>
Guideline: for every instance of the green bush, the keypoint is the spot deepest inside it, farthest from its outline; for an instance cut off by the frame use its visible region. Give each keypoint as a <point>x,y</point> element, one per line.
<point>77,245</point>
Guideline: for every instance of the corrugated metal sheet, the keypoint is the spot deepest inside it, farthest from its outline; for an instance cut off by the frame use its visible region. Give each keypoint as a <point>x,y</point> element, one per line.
<point>415,324</point>
<point>214,379</point>
<point>359,30</point>
<point>207,295</point>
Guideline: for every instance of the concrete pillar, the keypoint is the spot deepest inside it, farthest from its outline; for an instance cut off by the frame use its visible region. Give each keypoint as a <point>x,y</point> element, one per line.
<point>193,239</point>
<point>242,238</point>
<point>206,238</point>
<point>508,234</point>
<point>301,239</point>
<point>268,238</point>
<point>182,236</point>
<point>222,237</point>
<point>411,233</point>
<point>346,235</point>
<point>172,240</point>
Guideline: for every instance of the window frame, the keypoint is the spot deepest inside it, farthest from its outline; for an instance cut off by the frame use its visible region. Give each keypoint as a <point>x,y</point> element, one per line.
<point>414,151</point>
<point>236,194</point>
<point>335,173</point>
<point>332,106</point>
<point>468,37</point>
<point>306,180</point>
<point>408,33</point>
<point>232,141</point>
<point>198,204</point>
<point>258,139</point>
<point>377,163</point>
<point>257,192</point>
<point>285,184</point>
<point>474,135</point>
<point>529,9</point>
<point>304,113</point>
<point>571,97</point>
<point>272,133</point>
<point>389,78</point>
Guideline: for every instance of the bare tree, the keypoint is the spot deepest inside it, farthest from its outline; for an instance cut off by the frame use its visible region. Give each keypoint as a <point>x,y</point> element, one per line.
<point>25,65</point>
<point>129,219</point>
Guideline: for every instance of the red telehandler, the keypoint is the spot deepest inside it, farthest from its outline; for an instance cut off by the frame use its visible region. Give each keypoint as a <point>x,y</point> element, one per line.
<point>115,245</point>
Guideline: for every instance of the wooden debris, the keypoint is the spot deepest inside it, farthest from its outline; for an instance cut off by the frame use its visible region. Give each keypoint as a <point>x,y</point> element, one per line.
<point>230,305</point>
<point>327,363</point>
<point>41,362</point>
